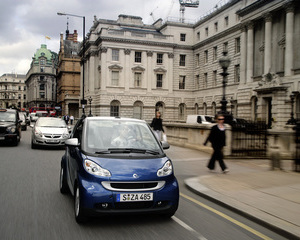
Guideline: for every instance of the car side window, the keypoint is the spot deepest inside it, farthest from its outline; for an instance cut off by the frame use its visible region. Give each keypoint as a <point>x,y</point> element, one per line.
<point>199,120</point>
<point>78,133</point>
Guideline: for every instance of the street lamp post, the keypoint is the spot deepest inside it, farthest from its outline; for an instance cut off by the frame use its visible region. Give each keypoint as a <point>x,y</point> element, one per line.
<point>224,62</point>
<point>83,101</point>
<point>90,101</point>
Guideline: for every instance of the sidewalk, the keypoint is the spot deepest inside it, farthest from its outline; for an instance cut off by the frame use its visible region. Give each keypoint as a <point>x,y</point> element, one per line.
<point>271,198</point>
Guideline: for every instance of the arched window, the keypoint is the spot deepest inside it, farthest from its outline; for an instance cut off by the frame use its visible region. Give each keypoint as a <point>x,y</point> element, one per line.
<point>115,108</point>
<point>181,111</point>
<point>138,110</point>
<point>214,109</point>
<point>159,107</point>
<point>204,109</point>
<point>196,108</point>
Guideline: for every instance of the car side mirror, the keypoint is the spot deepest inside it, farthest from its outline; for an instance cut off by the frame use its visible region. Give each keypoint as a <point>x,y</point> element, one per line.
<point>72,142</point>
<point>165,145</point>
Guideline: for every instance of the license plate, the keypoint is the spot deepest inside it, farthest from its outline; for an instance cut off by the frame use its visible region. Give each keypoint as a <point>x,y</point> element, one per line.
<point>52,141</point>
<point>2,138</point>
<point>134,197</point>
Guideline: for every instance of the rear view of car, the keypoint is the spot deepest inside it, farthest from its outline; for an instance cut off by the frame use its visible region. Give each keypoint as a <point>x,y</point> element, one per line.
<point>10,128</point>
<point>49,131</point>
<point>117,166</point>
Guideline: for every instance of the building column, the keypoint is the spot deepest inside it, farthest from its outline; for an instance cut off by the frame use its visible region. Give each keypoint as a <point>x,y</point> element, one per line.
<point>289,56</point>
<point>250,51</point>
<point>127,70</point>
<point>104,69</point>
<point>149,71</point>
<point>268,43</point>
<point>92,72</point>
<point>243,55</point>
<point>170,72</point>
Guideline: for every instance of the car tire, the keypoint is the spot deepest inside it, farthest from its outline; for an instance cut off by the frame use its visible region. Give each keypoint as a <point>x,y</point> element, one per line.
<point>33,146</point>
<point>80,217</point>
<point>63,185</point>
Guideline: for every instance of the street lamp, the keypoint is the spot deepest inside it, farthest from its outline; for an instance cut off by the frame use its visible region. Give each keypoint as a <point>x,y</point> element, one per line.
<point>90,101</point>
<point>292,120</point>
<point>224,62</point>
<point>83,101</point>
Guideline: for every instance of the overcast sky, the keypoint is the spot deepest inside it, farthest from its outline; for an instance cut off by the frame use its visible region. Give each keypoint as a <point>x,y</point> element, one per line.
<point>25,23</point>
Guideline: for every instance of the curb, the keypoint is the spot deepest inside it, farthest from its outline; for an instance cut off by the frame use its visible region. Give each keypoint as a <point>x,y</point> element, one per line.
<point>268,225</point>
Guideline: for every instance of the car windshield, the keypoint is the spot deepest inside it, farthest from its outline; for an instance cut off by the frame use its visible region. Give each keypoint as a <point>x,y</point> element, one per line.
<point>7,117</point>
<point>209,119</point>
<point>22,116</point>
<point>51,122</point>
<point>106,136</point>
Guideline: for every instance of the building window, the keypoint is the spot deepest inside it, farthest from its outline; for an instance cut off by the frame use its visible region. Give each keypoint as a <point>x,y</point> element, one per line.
<point>205,80</point>
<point>181,82</point>
<point>42,95</point>
<point>216,26</point>
<point>42,69</point>
<point>115,55</point>
<point>206,32</point>
<point>226,21</point>
<point>182,37</point>
<point>138,57</point>
<point>215,53</point>
<point>24,96</point>
<point>138,110</point>
<point>19,96</point>
<point>137,79</point>
<point>197,59</point>
<point>114,109</point>
<point>205,56</point>
<point>159,80</point>
<point>24,88</point>
<point>237,45</point>
<point>115,78</point>
<point>197,82</point>
<point>215,78</point>
<point>225,47</point>
<point>42,86</point>
<point>198,36</point>
<point>237,73</point>
<point>182,60</point>
<point>19,88</point>
<point>181,111</point>
<point>42,62</point>
<point>159,59</point>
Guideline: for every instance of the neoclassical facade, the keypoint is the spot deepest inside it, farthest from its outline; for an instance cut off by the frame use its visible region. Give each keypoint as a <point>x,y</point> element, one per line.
<point>41,78</point>
<point>13,92</point>
<point>133,69</point>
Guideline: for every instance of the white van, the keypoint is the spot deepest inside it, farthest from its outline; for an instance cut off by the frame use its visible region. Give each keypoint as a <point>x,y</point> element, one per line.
<point>202,119</point>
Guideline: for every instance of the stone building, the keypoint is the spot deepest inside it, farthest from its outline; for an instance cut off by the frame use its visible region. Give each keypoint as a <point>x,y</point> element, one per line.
<point>133,69</point>
<point>41,78</point>
<point>68,75</point>
<point>13,91</point>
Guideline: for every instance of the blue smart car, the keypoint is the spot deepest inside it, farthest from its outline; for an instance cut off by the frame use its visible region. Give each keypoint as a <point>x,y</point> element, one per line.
<point>116,165</point>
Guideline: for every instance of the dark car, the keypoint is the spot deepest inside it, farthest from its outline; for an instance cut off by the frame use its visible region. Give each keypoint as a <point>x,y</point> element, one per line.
<point>10,126</point>
<point>117,166</point>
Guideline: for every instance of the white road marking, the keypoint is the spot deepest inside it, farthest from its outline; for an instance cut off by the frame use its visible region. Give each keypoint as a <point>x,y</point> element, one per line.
<point>187,227</point>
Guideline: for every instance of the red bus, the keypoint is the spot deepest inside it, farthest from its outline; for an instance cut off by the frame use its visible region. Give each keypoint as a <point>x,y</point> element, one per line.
<point>50,110</point>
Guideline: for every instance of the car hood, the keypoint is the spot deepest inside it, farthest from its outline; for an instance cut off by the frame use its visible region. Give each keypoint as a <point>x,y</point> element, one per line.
<point>7,124</point>
<point>49,130</point>
<point>131,169</point>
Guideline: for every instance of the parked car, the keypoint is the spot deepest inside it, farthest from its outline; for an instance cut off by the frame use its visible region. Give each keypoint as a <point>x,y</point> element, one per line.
<point>22,117</point>
<point>10,126</point>
<point>33,117</point>
<point>202,119</point>
<point>49,131</point>
<point>117,166</point>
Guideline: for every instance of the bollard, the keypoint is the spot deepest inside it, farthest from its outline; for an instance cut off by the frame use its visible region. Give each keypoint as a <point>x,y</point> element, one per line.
<point>275,158</point>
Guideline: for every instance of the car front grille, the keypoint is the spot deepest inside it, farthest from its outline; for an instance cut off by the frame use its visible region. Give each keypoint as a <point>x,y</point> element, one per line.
<point>52,135</point>
<point>134,205</point>
<point>2,129</point>
<point>133,186</point>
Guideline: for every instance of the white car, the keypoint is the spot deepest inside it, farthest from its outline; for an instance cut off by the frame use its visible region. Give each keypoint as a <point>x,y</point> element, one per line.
<point>49,131</point>
<point>202,119</point>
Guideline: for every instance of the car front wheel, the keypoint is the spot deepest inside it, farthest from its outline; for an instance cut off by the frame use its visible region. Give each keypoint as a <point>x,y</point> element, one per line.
<point>79,213</point>
<point>63,185</point>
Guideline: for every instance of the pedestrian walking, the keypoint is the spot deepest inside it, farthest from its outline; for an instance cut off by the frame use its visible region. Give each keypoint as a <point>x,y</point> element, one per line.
<point>67,118</point>
<point>157,125</point>
<point>217,138</point>
<point>71,119</point>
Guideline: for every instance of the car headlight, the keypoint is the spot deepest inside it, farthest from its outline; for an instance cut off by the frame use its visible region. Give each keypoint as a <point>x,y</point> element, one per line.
<point>11,129</point>
<point>38,133</point>
<point>65,135</point>
<point>166,170</point>
<point>93,168</point>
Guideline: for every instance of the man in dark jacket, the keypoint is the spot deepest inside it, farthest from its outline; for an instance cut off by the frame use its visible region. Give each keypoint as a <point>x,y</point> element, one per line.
<point>217,138</point>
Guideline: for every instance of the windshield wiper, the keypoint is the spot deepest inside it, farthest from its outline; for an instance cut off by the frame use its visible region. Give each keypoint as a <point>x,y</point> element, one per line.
<point>128,150</point>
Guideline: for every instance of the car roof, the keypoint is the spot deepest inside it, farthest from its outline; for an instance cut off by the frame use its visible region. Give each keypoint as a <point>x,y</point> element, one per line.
<point>115,119</point>
<point>7,110</point>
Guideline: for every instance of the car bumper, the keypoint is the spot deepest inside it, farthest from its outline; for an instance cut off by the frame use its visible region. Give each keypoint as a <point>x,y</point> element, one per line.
<point>49,142</point>
<point>97,200</point>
